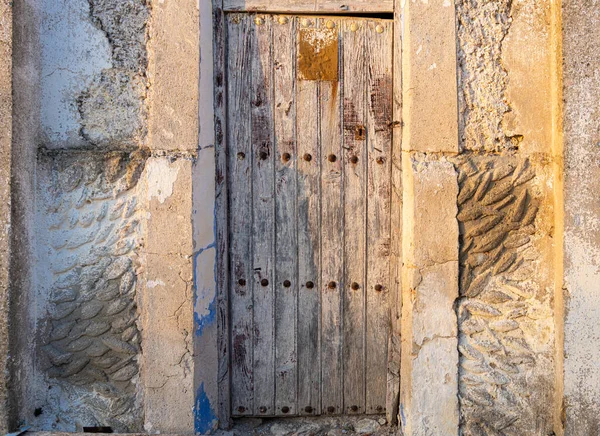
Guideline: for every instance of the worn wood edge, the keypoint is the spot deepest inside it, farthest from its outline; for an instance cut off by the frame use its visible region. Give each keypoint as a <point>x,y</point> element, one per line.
<point>222,219</point>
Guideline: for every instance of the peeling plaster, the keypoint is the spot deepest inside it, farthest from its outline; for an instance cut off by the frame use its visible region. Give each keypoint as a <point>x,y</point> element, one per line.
<point>161,175</point>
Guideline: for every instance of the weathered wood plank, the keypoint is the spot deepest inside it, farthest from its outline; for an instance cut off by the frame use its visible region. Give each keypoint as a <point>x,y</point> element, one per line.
<point>355,199</point>
<point>286,280</point>
<point>222,214</point>
<point>379,120</point>
<point>394,341</point>
<point>309,236</point>
<point>332,219</point>
<point>240,225</point>
<point>263,209</point>
<point>291,6</point>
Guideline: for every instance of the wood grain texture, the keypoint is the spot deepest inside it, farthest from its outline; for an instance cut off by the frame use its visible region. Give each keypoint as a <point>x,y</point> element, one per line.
<point>313,190</point>
<point>291,6</point>
<point>286,256</point>
<point>379,120</point>
<point>240,224</point>
<point>221,223</point>
<point>355,209</point>
<point>332,219</point>
<point>309,236</point>
<point>263,210</point>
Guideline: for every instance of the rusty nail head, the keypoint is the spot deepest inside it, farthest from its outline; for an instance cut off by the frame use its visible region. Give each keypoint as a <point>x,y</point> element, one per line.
<point>332,158</point>
<point>332,285</point>
<point>285,409</point>
<point>354,408</point>
<point>381,160</point>
<point>355,286</point>
<point>354,27</point>
<point>310,285</point>
<point>308,409</point>
<point>263,155</point>
<point>307,157</point>
<point>264,282</point>
<point>241,409</point>
<point>330,24</point>
<point>262,409</point>
<point>331,409</point>
<point>354,159</point>
<point>286,157</point>
<point>241,155</point>
<point>378,288</point>
<point>380,408</point>
<point>242,282</point>
<point>287,283</point>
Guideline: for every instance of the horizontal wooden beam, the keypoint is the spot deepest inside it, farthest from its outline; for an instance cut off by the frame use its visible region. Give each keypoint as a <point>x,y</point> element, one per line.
<point>310,6</point>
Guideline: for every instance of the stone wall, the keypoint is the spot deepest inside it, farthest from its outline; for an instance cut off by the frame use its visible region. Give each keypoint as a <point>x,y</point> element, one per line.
<point>102,311</point>
<point>581,51</point>
<point>5,194</point>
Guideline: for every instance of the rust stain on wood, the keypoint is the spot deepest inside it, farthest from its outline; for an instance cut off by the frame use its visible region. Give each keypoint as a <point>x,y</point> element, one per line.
<point>318,54</point>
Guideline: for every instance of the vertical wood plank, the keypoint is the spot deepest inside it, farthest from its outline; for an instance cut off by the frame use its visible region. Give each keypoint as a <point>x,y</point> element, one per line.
<point>309,245</point>
<point>222,217</point>
<point>286,280</point>
<point>263,209</point>
<point>240,199</point>
<point>394,341</point>
<point>355,199</point>
<point>332,219</point>
<point>379,119</point>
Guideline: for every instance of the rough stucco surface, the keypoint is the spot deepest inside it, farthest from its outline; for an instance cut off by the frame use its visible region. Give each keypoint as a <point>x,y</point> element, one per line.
<point>581,49</point>
<point>93,59</point>
<point>5,194</point>
<point>506,175</point>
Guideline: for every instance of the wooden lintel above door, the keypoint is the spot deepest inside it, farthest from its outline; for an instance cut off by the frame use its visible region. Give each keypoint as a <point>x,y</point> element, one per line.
<point>310,6</point>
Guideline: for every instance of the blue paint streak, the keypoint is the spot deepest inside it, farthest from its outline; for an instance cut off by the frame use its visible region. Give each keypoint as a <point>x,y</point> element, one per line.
<point>403,418</point>
<point>208,319</point>
<point>205,419</point>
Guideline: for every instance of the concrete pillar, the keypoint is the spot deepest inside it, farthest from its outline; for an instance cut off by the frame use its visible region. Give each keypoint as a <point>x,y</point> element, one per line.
<point>429,354</point>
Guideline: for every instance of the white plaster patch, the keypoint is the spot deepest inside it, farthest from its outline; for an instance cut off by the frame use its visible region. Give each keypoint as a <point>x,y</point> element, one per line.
<point>154,283</point>
<point>420,49</point>
<point>432,66</point>
<point>447,3</point>
<point>205,281</point>
<point>161,176</point>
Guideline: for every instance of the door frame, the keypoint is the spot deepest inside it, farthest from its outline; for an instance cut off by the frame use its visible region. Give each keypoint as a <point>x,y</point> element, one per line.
<point>212,374</point>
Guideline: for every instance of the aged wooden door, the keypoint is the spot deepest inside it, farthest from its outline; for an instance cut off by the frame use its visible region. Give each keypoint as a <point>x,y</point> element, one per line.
<point>309,122</point>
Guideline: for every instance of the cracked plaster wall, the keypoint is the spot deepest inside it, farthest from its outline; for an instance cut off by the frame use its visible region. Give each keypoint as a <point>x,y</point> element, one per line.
<point>105,298</point>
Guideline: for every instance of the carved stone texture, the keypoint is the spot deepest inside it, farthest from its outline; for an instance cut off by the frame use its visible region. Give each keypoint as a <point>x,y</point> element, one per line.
<point>89,227</point>
<point>505,310</point>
